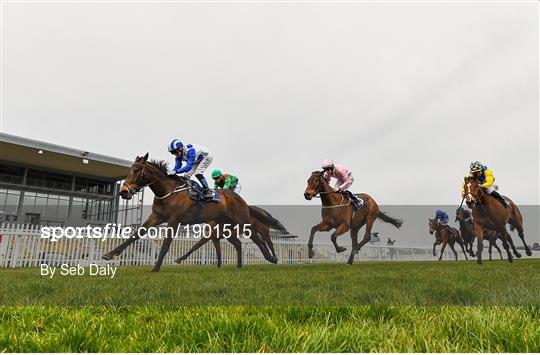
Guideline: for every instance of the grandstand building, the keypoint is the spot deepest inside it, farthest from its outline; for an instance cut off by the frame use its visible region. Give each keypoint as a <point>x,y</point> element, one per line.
<point>47,184</point>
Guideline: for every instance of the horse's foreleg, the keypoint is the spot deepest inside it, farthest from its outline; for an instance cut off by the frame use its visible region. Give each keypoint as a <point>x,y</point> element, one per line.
<point>490,248</point>
<point>454,250</point>
<point>514,250</point>
<point>442,250</point>
<point>322,226</point>
<point>479,233</point>
<point>494,241</point>
<point>342,228</point>
<point>461,244</point>
<point>164,249</point>
<point>217,246</point>
<point>434,251</point>
<point>152,221</point>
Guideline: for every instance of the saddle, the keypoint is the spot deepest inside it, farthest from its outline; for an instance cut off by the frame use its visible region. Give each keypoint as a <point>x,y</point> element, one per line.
<point>352,196</point>
<point>196,191</point>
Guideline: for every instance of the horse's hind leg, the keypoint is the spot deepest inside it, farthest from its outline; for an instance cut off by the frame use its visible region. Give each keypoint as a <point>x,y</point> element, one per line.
<point>263,247</point>
<point>517,254</point>
<point>237,244</point>
<point>370,219</point>
<point>217,246</point>
<point>195,247</point>
<point>354,239</point>
<point>164,249</point>
<point>497,247</point>
<point>517,221</point>
<point>471,251</point>
<point>454,250</point>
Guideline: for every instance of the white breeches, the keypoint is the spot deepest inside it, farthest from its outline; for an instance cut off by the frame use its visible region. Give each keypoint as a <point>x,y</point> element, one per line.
<point>200,167</point>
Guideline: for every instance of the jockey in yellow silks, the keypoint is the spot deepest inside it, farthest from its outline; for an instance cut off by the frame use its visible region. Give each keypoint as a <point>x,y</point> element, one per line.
<point>486,179</point>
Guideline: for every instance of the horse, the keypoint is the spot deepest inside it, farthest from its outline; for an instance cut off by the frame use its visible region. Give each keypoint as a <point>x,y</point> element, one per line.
<point>262,229</point>
<point>489,213</point>
<point>173,205</point>
<point>463,217</point>
<point>445,235</point>
<point>338,212</point>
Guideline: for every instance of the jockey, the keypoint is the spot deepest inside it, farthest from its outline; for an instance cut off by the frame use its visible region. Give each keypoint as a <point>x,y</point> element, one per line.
<point>344,180</point>
<point>485,177</point>
<point>197,160</point>
<point>225,181</point>
<point>441,217</point>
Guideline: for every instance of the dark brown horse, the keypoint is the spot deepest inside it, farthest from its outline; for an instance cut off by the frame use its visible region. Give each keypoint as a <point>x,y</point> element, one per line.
<point>262,229</point>
<point>489,213</point>
<point>337,212</point>
<point>445,235</point>
<point>463,217</point>
<point>172,205</point>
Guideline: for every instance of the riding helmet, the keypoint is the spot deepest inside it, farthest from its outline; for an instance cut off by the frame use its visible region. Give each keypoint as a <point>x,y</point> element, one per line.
<point>216,173</point>
<point>327,164</point>
<point>174,145</point>
<point>476,167</point>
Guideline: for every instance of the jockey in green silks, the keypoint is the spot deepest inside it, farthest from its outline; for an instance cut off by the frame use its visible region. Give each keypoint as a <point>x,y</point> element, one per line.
<point>226,181</point>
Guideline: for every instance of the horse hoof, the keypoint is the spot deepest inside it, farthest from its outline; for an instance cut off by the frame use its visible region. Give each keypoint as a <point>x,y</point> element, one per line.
<point>511,260</point>
<point>107,256</point>
<point>273,260</point>
<point>479,262</point>
<point>179,260</point>
<point>518,255</point>
<point>528,252</point>
<point>341,249</point>
<point>434,254</point>
<point>311,254</point>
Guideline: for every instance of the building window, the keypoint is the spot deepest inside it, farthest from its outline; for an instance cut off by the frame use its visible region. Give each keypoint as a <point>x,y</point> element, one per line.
<point>48,180</point>
<point>9,202</point>
<point>92,186</point>
<point>11,174</point>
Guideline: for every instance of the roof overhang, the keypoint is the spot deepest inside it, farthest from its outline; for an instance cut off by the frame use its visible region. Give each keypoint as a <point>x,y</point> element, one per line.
<point>49,156</point>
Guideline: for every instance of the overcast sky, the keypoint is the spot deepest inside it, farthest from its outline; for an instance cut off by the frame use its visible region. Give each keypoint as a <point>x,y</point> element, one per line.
<point>406,95</point>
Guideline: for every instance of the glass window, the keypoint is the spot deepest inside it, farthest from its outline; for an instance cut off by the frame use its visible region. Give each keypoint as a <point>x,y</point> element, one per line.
<point>29,202</point>
<point>93,186</point>
<point>11,174</point>
<point>49,180</point>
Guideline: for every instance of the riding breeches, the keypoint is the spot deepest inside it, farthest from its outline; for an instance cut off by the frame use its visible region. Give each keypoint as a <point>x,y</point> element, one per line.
<point>200,167</point>
<point>347,185</point>
<point>237,188</point>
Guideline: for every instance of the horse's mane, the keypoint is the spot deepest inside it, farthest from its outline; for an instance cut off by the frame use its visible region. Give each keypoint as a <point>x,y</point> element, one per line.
<point>160,164</point>
<point>164,167</point>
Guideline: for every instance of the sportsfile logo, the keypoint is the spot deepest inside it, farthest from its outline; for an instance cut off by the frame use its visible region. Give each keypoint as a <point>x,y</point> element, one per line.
<point>114,231</point>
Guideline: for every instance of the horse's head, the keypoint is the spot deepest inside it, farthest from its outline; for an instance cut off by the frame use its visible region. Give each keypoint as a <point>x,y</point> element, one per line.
<point>472,190</point>
<point>462,214</point>
<point>314,182</point>
<point>433,224</point>
<point>135,179</point>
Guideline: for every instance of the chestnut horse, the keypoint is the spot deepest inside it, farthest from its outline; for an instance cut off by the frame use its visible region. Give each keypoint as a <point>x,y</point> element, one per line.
<point>262,230</point>
<point>489,213</point>
<point>445,235</point>
<point>172,205</point>
<point>337,212</point>
<point>463,217</point>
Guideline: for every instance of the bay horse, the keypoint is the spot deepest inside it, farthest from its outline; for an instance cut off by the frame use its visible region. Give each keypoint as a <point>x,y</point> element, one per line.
<point>262,229</point>
<point>338,212</point>
<point>489,213</point>
<point>172,205</point>
<point>463,217</point>
<point>445,235</point>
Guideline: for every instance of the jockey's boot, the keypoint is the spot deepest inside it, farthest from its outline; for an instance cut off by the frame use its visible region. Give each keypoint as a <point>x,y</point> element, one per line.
<point>500,198</point>
<point>357,205</point>
<point>207,193</point>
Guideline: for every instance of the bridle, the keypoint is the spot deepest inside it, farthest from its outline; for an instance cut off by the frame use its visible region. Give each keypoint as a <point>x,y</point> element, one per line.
<point>137,188</point>
<point>319,193</point>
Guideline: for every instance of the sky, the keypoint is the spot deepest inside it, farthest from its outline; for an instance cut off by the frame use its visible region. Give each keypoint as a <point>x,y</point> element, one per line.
<point>404,94</point>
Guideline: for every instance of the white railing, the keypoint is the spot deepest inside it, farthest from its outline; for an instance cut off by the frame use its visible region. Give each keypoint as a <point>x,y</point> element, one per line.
<point>22,246</point>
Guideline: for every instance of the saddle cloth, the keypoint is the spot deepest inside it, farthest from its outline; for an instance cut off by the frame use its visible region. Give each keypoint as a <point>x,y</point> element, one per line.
<point>195,192</point>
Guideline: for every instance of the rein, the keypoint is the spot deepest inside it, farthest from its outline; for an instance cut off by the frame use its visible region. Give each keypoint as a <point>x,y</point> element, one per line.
<point>176,189</point>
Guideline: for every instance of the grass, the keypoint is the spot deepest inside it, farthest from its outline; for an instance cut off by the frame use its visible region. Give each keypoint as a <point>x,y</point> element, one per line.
<point>462,283</point>
<point>437,307</point>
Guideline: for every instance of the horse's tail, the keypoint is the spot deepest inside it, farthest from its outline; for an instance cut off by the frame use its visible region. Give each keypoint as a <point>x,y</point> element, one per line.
<point>266,218</point>
<point>387,219</point>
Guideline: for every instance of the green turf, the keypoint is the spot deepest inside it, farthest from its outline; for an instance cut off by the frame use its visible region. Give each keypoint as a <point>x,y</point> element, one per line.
<point>496,283</point>
<point>279,329</point>
<point>448,306</point>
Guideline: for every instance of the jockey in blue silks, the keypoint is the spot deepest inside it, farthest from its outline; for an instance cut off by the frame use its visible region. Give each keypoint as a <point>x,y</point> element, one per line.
<point>441,217</point>
<point>196,158</point>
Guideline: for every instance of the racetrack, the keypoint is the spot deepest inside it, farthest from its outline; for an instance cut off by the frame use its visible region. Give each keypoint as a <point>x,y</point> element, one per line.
<point>424,306</point>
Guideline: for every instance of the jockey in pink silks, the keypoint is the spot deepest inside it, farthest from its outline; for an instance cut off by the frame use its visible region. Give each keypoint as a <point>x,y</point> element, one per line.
<point>344,180</point>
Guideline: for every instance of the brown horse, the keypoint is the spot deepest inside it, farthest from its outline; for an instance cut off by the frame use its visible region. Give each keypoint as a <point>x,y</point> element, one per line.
<point>338,212</point>
<point>445,235</point>
<point>172,205</point>
<point>262,229</point>
<point>463,217</point>
<point>489,213</point>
